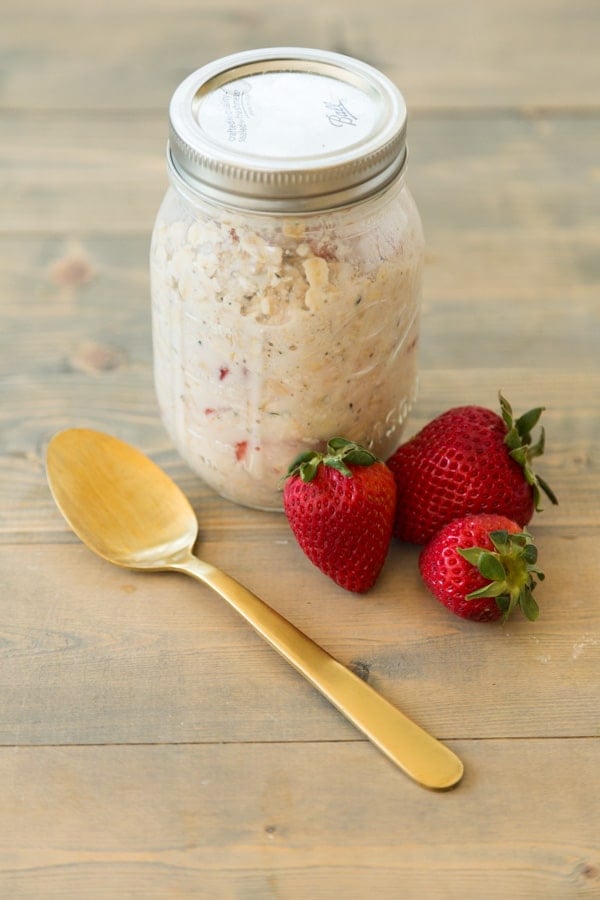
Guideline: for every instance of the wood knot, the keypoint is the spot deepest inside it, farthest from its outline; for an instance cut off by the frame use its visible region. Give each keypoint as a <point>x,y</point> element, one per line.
<point>73,269</point>
<point>92,358</point>
<point>588,872</point>
<point>362,669</point>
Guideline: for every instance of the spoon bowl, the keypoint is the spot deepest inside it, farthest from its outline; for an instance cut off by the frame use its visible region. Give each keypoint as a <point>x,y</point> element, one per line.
<point>121,504</point>
<point>128,511</point>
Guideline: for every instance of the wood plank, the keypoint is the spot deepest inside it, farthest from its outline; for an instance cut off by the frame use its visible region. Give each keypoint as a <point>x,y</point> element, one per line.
<point>297,821</point>
<point>489,296</point>
<point>122,402</point>
<point>72,306</point>
<point>133,658</point>
<point>89,174</point>
<point>83,306</point>
<point>523,176</point>
<point>74,55</point>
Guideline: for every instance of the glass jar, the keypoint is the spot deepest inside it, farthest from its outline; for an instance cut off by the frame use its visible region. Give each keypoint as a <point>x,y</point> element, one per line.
<point>285,267</point>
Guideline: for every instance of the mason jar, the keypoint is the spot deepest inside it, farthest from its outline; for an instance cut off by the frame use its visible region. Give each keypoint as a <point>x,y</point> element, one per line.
<point>286,267</point>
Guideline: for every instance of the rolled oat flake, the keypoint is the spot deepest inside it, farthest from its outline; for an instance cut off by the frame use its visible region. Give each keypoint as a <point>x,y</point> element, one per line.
<point>285,267</point>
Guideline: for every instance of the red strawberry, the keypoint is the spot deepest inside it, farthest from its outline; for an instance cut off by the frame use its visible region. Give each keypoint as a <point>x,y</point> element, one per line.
<point>481,567</point>
<point>467,460</point>
<point>340,505</point>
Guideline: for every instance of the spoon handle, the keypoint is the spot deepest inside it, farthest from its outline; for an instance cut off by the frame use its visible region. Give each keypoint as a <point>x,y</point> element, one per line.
<point>416,752</point>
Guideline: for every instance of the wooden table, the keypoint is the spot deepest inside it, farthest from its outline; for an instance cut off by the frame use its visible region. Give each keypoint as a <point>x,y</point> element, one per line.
<point>152,745</point>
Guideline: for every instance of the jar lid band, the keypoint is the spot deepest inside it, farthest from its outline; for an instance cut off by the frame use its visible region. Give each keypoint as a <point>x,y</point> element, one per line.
<point>287,129</point>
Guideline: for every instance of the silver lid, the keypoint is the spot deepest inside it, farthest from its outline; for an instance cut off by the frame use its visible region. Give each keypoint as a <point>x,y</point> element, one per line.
<point>287,129</point>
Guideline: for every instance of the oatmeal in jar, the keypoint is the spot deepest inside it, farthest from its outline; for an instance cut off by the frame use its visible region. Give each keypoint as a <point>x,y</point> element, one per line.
<point>285,267</point>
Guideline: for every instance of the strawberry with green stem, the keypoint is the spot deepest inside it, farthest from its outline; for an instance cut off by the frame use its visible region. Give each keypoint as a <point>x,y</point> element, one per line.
<point>468,460</point>
<point>482,567</point>
<point>340,504</point>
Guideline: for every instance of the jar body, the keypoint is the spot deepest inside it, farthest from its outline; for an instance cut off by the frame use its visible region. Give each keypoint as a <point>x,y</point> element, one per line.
<point>273,333</point>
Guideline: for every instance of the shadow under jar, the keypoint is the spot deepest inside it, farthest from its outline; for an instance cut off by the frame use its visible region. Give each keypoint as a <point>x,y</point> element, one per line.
<point>286,267</point>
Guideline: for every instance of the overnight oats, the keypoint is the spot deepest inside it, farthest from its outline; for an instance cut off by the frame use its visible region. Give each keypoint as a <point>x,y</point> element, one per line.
<point>285,267</point>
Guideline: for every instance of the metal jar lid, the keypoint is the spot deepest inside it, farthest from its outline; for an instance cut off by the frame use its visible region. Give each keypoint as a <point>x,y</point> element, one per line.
<point>287,129</point>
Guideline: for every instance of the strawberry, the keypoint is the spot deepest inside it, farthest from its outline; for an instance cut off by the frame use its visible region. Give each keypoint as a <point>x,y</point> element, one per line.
<point>467,460</point>
<point>340,505</point>
<point>481,567</point>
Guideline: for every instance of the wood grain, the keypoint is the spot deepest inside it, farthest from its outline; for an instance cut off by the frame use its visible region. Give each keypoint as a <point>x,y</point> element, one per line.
<point>140,658</point>
<point>483,174</point>
<point>539,295</point>
<point>297,820</point>
<point>519,53</point>
<point>123,402</point>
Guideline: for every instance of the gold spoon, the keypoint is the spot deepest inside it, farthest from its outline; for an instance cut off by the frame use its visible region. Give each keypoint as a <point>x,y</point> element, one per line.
<point>127,510</point>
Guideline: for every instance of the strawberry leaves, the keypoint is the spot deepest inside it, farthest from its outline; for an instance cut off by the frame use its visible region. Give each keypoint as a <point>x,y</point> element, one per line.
<point>340,453</point>
<point>519,439</point>
<point>510,570</point>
